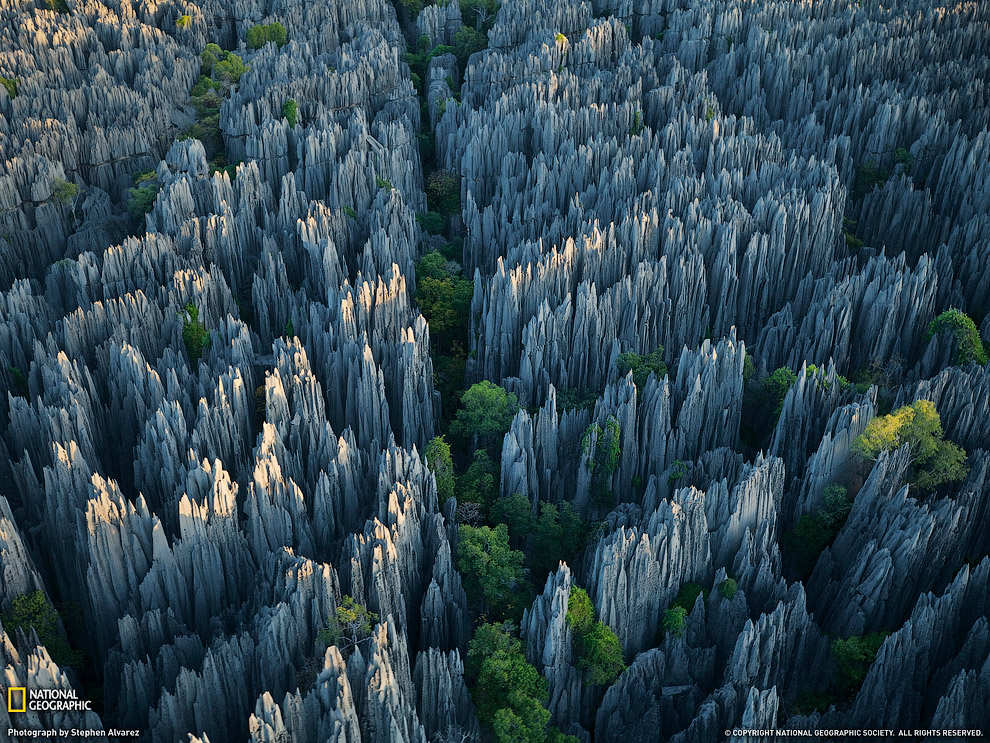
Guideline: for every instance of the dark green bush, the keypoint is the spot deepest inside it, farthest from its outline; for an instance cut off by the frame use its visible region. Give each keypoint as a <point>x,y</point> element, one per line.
<point>194,334</point>
<point>969,345</point>
<point>11,85</point>
<point>258,36</point>
<point>141,200</point>
<point>290,112</point>
<point>443,192</point>
<point>432,222</point>
<point>33,610</point>
<point>642,366</point>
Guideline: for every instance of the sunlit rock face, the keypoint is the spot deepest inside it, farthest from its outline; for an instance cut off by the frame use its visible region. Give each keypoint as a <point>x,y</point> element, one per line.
<point>218,380</point>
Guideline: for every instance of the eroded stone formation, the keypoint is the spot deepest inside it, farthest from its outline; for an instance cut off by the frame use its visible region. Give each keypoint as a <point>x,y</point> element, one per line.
<point>699,176</point>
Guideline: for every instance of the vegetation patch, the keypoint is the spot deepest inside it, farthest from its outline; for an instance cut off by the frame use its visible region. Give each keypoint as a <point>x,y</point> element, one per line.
<point>934,460</point>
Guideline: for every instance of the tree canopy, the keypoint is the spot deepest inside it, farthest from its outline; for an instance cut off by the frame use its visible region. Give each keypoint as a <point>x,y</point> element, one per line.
<point>969,345</point>
<point>490,569</point>
<point>597,651</point>
<point>32,610</point>
<point>509,693</point>
<point>258,36</point>
<point>642,366</point>
<point>934,459</point>
<point>486,413</point>
<point>438,459</point>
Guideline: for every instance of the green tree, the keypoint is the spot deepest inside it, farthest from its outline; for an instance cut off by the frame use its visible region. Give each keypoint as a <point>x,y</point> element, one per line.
<point>432,222</point>
<point>597,651</point>
<point>64,191</point>
<point>509,693</point>
<point>290,112</point>
<point>934,460</point>
<point>688,594</point>
<point>183,21</point>
<point>438,459</point>
<point>354,621</point>
<point>969,345</point>
<point>642,366</point>
<point>141,200</point>
<point>836,507</point>
<point>10,84</point>
<point>514,512</point>
<point>478,14</point>
<point>466,42</point>
<point>600,655</point>
<point>194,333</point>
<point>580,611</point>
<point>727,588</point>
<point>775,387</point>
<point>558,533</point>
<point>443,298</point>
<point>854,656</point>
<point>443,192</point>
<point>606,460</point>
<point>490,569</point>
<point>675,621</point>
<point>228,70</point>
<point>32,610</point>
<point>477,484</point>
<point>258,36</point>
<point>486,413</point>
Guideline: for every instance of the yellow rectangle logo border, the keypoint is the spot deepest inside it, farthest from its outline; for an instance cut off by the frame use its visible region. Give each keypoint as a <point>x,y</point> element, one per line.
<point>10,698</point>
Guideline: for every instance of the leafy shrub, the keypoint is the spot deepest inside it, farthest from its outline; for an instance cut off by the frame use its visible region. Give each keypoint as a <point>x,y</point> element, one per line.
<point>290,112</point>
<point>432,222</point>
<point>349,212</point>
<point>776,386</point>
<point>637,125</point>
<point>183,21</point>
<point>438,459</point>
<point>642,366</point>
<point>688,594</point>
<point>468,41</point>
<point>57,6</point>
<point>934,460</point>
<point>969,345</point>
<point>677,470</point>
<point>560,38</point>
<point>11,86</point>
<point>194,333</point>
<point>258,36</point>
<point>597,651</point>
<point>675,621</point>
<point>443,192</point>
<point>727,588</point>
<point>869,175</point>
<point>489,568</point>
<point>903,157</point>
<point>509,693</point>
<point>32,610</point>
<point>64,191</point>
<point>853,656</point>
<point>141,199</point>
<point>486,412</point>
<point>382,183</point>
<point>573,399</point>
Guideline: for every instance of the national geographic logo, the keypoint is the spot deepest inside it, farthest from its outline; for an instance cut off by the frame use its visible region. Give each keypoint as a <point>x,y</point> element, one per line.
<point>20,699</point>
